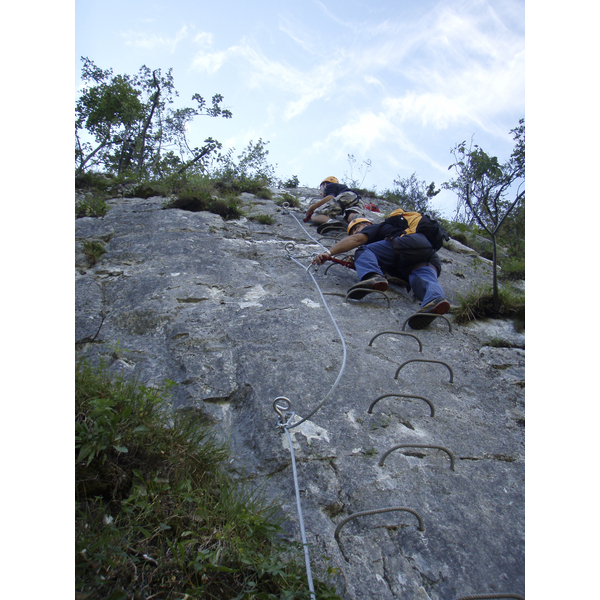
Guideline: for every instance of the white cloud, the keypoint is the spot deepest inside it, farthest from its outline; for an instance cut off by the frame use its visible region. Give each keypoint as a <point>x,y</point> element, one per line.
<point>211,62</point>
<point>204,38</point>
<point>153,41</point>
<point>367,129</point>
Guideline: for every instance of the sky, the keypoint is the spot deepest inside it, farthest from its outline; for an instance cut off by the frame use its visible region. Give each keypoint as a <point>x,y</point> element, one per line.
<point>397,83</point>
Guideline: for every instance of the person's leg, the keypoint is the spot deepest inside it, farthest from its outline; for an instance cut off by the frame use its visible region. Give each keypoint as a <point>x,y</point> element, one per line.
<point>369,261</point>
<point>318,219</point>
<point>373,259</point>
<point>425,284</point>
<point>329,211</point>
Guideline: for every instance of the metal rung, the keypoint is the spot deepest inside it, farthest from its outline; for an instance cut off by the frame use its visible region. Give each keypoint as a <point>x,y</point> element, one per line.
<point>397,333</point>
<point>374,512</point>
<point>401,396</point>
<point>382,459</point>
<point>371,291</point>
<point>427,361</point>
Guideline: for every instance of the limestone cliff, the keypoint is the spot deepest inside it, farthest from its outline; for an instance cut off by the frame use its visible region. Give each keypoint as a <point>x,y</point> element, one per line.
<point>224,310</point>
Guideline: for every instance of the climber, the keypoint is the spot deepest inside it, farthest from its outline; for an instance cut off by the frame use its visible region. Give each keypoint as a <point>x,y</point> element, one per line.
<point>341,203</point>
<point>416,262</point>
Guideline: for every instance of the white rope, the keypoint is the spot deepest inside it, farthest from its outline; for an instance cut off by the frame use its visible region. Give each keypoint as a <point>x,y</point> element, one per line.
<point>289,246</point>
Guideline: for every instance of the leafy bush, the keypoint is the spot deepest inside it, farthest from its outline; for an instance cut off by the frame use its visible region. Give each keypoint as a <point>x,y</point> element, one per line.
<point>156,513</point>
<point>91,206</point>
<point>94,180</point>
<point>513,269</point>
<point>265,194</point>
<point>290,199</point>
<point>292,183</point>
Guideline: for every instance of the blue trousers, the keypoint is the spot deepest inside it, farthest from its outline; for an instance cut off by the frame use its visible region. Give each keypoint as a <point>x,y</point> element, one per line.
<point>377,256</point>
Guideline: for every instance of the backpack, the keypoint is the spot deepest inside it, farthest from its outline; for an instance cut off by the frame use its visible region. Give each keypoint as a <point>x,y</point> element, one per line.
<point>414,222</point>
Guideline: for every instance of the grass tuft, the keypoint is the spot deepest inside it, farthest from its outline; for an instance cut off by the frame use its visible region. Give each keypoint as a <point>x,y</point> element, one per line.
<point>93,251</point>
<point>263,219</point>
<point>478,304</point>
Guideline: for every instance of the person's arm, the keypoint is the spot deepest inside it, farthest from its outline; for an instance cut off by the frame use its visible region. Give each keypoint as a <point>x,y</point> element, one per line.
<point>348,243</point>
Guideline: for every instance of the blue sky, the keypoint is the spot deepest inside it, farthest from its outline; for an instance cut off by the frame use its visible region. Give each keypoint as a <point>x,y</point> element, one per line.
<point>396,82</point>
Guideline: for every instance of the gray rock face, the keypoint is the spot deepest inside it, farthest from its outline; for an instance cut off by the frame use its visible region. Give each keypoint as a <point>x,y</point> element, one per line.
<point>236,320</point>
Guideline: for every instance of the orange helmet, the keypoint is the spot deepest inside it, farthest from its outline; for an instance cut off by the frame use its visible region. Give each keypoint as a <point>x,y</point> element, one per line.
<point>329,180</point>
<point>356,222</point>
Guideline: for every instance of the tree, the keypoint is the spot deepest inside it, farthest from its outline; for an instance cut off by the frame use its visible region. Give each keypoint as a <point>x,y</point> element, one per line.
<point>133,128</point>
<point>489,191</point>
<point>364,167</point>
<point>412,194</point>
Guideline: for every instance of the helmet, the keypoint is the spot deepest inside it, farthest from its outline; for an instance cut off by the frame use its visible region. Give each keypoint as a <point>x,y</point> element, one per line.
<point>356,222</point>
<point>329,180</point>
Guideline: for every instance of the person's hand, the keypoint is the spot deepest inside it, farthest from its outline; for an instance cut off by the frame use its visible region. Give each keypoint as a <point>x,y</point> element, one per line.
<point>309,213</point>
<point>321,258</point>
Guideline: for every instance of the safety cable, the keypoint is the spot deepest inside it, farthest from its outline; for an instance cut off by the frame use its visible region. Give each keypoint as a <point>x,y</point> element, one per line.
<point>286,206</point>
<point>289,247</point>
<point>280,404</point>
<point>344,351</point>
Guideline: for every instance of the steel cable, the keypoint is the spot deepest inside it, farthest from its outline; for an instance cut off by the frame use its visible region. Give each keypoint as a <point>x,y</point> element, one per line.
<point>289,246</point>
<point>279,408</point>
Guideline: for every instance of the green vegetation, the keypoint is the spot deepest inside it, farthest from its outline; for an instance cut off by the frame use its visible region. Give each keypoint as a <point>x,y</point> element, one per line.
<point>489,191</point>
<point>290,199</point>
<point>292,183</point>
<point>129,127</point>
<point>263,219</point>
<point>156,513</point>
<point>478,303</point>
<point>92,206</point>
<point>93,251</point>
<point>413,195</point>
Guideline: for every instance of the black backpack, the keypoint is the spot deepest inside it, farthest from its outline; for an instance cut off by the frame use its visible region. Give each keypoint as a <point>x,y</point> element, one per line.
<point>433,231</point>
<point>424,224</point>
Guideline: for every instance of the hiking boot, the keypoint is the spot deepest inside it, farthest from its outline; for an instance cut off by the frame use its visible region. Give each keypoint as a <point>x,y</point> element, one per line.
<point>439,306</point>
<point>331,225</point>
<point>374,283</point>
